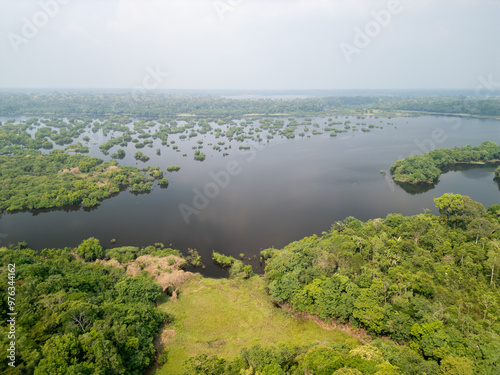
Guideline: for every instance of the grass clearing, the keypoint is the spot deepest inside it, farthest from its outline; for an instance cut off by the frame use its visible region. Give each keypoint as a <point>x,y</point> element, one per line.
<point>222,316</point>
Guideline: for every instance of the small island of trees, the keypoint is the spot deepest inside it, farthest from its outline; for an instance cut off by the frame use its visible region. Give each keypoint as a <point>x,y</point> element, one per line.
<point>140,156</point>
<point>173,168</point>
<point>426,169</point>
<point>200,156</point>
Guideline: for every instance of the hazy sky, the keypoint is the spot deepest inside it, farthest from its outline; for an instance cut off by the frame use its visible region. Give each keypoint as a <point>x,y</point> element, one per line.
<point>249,44</point>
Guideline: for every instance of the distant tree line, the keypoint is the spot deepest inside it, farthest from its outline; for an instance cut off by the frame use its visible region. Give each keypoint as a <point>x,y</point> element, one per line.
<point>157,105</point>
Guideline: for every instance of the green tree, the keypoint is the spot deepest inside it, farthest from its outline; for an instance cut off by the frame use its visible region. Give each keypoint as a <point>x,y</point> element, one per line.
<point>90,249</point>
<point>456,366</point>
<point>202,364</point>
<point>450,204</point>
<point>104,355</point>
<point>321,360</point>
<point>59,354</point>
<point>480,227</point>
<point>138,289</point>
<point>272,359</point>
<point>347,371</point>
<point>493,261</point>
<point>368,311</point>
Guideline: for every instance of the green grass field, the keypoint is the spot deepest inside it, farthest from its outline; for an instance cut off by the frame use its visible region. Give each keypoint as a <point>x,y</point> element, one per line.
<point>222,316</point>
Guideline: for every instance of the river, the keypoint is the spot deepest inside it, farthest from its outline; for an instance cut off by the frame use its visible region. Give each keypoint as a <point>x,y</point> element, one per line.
<point>277,192</point>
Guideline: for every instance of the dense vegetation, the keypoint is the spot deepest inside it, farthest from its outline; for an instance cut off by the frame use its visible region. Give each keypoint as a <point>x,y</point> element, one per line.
<point>425,281</point>
<point>30,180</point>
<point>377,358</point>
<point>79,318</point>
<point>428,167</point>
<point>446,105</point>
<point>88,104</point>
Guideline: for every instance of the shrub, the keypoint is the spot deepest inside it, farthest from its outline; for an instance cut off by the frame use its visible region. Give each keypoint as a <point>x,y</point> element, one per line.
<point>90,249</point>
<point>223,260</point>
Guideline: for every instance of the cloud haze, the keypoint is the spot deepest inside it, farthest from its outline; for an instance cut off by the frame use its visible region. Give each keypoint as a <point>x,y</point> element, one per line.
<point>249,44</point>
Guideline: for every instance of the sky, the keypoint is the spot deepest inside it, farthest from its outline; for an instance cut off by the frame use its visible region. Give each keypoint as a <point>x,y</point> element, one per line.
<point>249,44</point>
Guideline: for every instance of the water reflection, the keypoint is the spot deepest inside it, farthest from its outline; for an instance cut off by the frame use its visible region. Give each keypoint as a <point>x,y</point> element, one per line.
<point>46,210</point>
<point>415,189</point>
<point>472,170</point>
<point>290,189</point>
<point>469,171</point>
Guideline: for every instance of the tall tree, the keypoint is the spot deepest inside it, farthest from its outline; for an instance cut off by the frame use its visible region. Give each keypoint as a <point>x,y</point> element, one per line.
<point>493,260</point>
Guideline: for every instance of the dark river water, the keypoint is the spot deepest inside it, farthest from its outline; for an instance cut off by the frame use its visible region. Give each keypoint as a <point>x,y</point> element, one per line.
<point>276,193</point>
